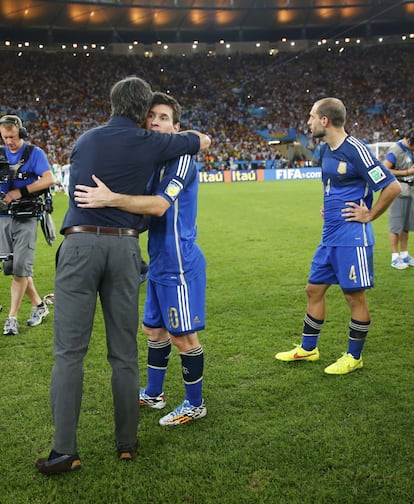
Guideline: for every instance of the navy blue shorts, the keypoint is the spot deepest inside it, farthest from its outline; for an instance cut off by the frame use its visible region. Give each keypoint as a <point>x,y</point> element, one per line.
<point>178,308</point>
<point>350,267</point>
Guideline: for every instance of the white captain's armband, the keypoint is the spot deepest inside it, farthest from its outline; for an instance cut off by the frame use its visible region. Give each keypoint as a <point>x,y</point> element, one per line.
<point>377,174</point>
<point>173,189</point>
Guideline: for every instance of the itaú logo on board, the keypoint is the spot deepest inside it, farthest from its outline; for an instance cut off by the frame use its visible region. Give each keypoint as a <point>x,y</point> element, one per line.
<point>208,177</point>
<point>243,176</point>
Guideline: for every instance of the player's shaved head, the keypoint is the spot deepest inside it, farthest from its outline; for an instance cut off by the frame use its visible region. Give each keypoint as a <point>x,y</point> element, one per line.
<point>333,109</point>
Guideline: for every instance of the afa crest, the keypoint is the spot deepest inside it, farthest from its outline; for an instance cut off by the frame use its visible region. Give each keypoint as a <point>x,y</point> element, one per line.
<point>342,168</point>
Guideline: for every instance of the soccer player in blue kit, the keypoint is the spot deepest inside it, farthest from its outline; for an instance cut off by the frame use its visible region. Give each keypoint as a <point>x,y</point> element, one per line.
<point>350,175</point>
<point>175,302</point>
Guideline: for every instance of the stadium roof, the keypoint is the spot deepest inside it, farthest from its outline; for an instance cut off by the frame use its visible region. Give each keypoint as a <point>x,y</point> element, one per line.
<point>123,21</point>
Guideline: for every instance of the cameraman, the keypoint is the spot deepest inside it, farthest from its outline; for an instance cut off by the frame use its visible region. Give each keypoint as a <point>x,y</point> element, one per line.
<point>27,176</point>
<point>400,161</point>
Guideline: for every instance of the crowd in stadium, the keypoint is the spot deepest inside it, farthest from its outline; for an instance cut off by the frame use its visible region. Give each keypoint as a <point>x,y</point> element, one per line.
<point>59,95</point>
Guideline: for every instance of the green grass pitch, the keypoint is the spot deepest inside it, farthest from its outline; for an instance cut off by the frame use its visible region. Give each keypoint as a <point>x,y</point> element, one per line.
<point>275,432</point>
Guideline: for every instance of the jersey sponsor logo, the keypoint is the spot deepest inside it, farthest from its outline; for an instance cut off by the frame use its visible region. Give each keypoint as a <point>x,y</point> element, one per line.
<point>342,167</point>
<point>376,174</point>
<point>172,190</point>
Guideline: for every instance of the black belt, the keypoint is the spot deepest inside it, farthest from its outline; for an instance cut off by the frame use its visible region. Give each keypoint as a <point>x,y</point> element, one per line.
<point>99,230</point>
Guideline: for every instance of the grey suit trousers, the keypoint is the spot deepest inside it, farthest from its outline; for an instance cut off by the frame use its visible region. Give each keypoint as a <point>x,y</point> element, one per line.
<point>89,266</point>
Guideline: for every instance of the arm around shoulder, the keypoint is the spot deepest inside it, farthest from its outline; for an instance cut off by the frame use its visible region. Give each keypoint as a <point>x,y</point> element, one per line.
<point>205,140</point>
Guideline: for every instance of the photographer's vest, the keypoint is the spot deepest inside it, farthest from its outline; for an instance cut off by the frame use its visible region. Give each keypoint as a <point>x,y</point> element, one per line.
<point>403,161</point>
<point>31,206</point>
<point>15,174</point>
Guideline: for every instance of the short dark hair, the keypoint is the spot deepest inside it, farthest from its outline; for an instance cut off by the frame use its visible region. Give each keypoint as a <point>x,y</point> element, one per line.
<point>333,109</point>
<point>409,133</point>
<point>131,97</point>
<point>165,99</point>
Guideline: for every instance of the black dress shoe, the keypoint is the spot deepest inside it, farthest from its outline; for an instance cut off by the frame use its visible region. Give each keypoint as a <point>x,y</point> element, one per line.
<point>57,465</point>
<point>127,454</point>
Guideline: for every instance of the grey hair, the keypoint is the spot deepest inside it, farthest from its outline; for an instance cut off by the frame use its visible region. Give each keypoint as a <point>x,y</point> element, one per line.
<point>131,97</point>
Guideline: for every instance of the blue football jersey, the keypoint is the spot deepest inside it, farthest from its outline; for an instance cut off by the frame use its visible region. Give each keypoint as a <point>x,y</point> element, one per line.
<point>175,258</point>
<point>350,173</point>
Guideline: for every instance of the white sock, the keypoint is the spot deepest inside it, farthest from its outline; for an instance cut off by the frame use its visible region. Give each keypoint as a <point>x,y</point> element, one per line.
<point>394,256</point>
<point>403,254</point>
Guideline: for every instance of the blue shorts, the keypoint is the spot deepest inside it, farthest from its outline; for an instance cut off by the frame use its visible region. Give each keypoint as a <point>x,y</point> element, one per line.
<point>178,308</point>
<point>350,267</point>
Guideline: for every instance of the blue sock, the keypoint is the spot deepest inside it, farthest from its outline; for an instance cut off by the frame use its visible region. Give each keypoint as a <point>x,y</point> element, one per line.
<point>158,355</point>
<point>311,330</point>
<point>192,365</point>
<point>357,335</point>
